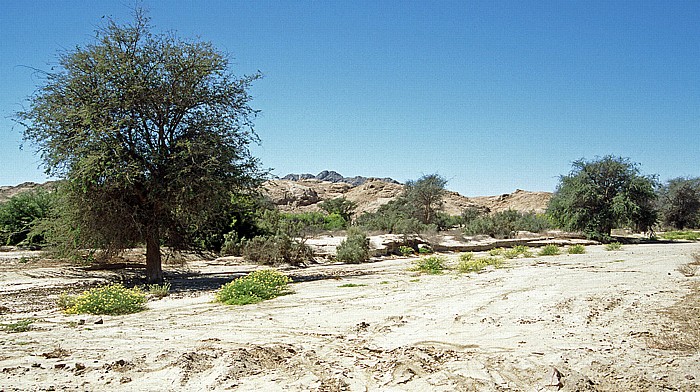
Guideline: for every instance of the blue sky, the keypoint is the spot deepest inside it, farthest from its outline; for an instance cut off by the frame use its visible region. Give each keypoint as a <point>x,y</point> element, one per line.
<point>492,95</point>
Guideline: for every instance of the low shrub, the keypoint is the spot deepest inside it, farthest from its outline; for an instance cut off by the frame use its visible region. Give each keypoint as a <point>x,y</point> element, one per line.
<point>549,250</point>
<point>613,246</point>
<point>253,288</point>
<point>159,290</point>
<point>355,248</point>
<point>433,265</point>
<point>504,224</point>
<point>466,256</point>
<point>114,299</point>
<point>471,264</point>
<point>425,250</point>
<point>18,326</point>
<point>516,251</point>
<point>406,251</point>
<point>577,249</point>
<point>275,250</point>
<point>497,251</point>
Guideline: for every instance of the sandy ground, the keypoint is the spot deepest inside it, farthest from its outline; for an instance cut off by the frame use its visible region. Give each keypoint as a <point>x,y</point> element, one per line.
<point>570,322</point>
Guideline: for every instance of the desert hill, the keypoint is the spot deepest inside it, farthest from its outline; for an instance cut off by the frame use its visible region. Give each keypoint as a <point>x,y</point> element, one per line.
<point>304,195</point>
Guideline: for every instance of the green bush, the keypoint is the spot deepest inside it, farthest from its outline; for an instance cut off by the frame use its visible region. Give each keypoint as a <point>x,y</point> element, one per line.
<point>114,299</point>
<point>497,251</point>
<point>550,250</point>
<point>275,250</point>
<point>425,250</point>
<point>471,264</point>
<point>406,251</point>
<point>354,248</point>
<point>255,287</point>
<point>159,290</point>
<point>339,206</point>
<point>577,249</point>
<point>504,224</point>
<point>18,326</point>
<point>613,246</point>
<point>20,215</point>
<point>467,256</point>
<point>431,265</point>
<point>517,251</point>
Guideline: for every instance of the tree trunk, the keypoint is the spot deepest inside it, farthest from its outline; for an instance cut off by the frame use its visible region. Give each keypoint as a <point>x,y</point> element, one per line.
<point>154,269</point>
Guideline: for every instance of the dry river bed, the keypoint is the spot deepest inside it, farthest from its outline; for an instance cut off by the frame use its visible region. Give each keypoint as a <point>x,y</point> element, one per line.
<point>599,321</point>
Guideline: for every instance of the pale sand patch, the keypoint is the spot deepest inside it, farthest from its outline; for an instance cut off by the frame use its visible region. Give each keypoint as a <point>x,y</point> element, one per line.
<point>567,322</point>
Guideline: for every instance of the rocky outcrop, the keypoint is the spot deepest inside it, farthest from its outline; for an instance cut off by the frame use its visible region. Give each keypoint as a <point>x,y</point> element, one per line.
<point>335,177</point>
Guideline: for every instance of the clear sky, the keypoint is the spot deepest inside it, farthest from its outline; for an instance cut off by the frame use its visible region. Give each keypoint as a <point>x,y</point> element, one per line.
<point>492,95</point>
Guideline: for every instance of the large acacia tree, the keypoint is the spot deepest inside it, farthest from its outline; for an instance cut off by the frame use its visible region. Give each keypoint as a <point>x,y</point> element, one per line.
<point>151,134</point>
<point>603,194</point>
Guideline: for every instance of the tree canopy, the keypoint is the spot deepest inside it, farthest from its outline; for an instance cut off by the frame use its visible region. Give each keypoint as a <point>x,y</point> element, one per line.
<point>151,134</point>
<point>679,202</point>
<point>426,194</point>
<point>603,194</point>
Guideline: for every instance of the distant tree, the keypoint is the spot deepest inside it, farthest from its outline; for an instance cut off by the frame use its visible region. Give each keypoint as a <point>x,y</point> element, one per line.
<point>20,215</point>
<point>426,194</point>
<point>341,206</point>
<point>600,195</point>
<point>151,133</point>
<point>679,202</point>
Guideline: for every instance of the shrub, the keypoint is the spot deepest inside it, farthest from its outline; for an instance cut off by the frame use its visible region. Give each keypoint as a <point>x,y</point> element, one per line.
<point>18,326</point>
<point>114,299</point>
<point>504,224</point>
<point>470,264</point>
<point>549,250</point>
<point>20,214</point>
<point>159,290</point>
<point>466,256</point>
<point>339,206</point>
<point>431,265</point>
<point>613,246</point>
<point>518,250</point>
<point>275,250</point>
<point>354,248</point>
<point>577,249</point>
<point>425,250</point>
<point>406,250</point>
<point>497,251</point>
<point>255,287</point>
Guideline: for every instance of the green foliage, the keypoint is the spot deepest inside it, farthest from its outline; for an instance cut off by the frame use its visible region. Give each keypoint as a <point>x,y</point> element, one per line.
<point>577,249</point>
<point>679,203</point>
<point>433,265</point>
<point>18,326</point>
<point>516,251</point>
<point>21,215</point>
<point>275,250</point>
<point>341,206</point>
<point>497,251</point>
<point>352,285</point>
<point>471,264</point>
<point>550,250</point>
<point>114,299</point>
<point>425,250</point>
<point>681,235</point>
<point>406,250</point>
<point>425,195</point>
<point>159,290</point>
<point>613,246</point>
<point>151,133</point>
<point>395,217</point>
<point>467,256</point>
<point>255,287</point>
<point>600,195</point>
<point>504,224</point>
<point>355,248</point>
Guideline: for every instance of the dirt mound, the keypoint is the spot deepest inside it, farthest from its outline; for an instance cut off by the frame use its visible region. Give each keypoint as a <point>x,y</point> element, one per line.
<point>305,194</point>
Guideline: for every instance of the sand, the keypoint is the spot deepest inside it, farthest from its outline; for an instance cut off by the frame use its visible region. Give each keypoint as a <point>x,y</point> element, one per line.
<point>587,322</point>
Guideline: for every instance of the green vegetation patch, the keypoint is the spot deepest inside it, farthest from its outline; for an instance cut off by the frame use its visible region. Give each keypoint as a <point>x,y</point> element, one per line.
<point>550,250</point>
<point>681,235</point>
<point>577,249</point>
<point>253,288</point>
<point>159,290</point>
<point>471,264</point>
<point>23,325</point>
<point>352,285</point>
<point>114,299</point>
<point>433,265</point>
<point>517,251</point>
<point>613,246</point>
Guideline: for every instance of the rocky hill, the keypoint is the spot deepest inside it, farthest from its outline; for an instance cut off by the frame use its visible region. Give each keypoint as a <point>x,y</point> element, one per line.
<point>335,177</point>
<point>305,194</point>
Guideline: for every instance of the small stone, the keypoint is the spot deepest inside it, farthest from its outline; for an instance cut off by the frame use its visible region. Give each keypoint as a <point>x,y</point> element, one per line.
<point>100,321</point>
<point>79,366</point>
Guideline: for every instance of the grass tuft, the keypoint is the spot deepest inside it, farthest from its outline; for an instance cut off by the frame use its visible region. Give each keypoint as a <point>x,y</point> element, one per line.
<point>467,265</point>
<point>18,326</point>
<point>255,287</point>
<point>577,249</point>
<point>550,250</point>
<point>433,265</point>
<point>613,246</point>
